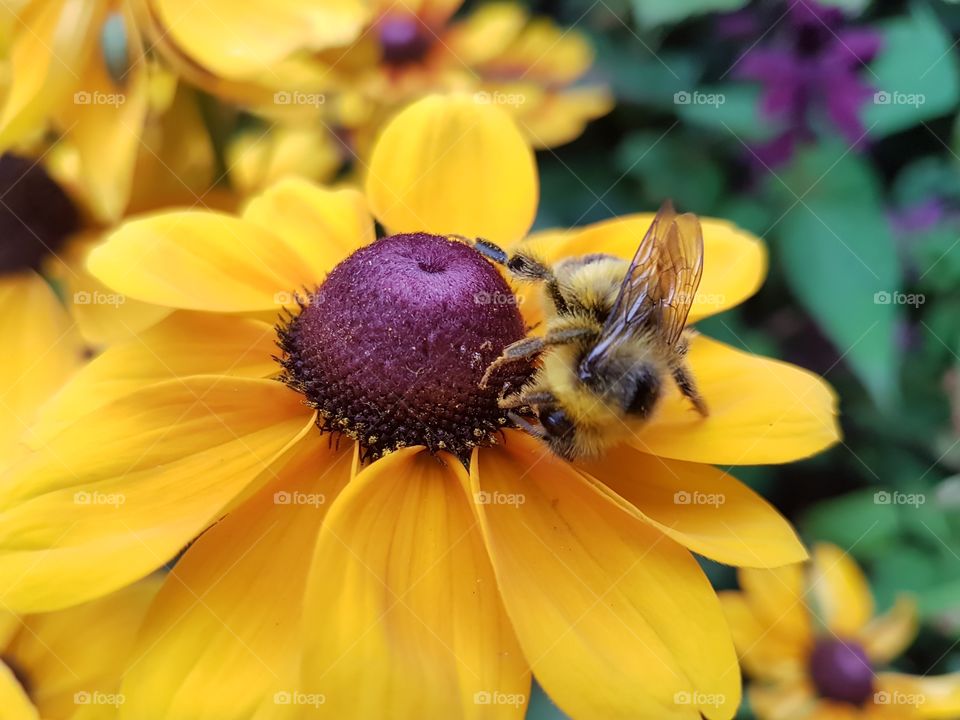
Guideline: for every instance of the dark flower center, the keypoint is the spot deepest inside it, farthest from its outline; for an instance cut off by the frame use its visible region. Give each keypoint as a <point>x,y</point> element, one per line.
<point>390,349</point>
<point>841,671</point>
<point>36,215</point>
<point>404,39</point>
<point>19,674</point>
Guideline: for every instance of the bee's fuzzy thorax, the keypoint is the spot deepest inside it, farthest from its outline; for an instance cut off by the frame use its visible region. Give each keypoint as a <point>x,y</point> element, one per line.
<point>36,215</point>
<point>391,347</point>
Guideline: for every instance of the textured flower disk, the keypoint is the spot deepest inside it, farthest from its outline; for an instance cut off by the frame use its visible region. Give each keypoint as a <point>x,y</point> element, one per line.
<point>403,587</point>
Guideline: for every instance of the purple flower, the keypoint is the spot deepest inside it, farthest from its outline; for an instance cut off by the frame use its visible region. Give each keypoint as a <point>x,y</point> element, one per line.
<point>811,68</point>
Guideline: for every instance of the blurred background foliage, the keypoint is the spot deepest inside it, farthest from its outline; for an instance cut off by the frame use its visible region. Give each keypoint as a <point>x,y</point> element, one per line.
<point>839,146</point>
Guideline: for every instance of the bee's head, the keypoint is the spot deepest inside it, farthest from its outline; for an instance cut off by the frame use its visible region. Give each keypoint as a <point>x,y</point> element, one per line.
<point>559,430</point>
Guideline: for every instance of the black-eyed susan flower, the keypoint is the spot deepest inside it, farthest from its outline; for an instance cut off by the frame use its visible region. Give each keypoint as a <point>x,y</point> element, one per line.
<point>815,649</point>
<point>67,665</point>
<point>434,580</point>
<point>528,65</point>
<point>63,79</point>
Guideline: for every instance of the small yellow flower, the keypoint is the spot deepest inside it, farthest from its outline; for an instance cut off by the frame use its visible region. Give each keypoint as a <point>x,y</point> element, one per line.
<point>815,649</point>
<point>422,584</point>
<point>68,665</point>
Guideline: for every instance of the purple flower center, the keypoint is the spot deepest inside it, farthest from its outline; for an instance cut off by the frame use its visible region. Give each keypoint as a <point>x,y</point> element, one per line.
<point>36,215</point>
<point>404,39</point>
<point>841,671</point>
<point>391,347</point>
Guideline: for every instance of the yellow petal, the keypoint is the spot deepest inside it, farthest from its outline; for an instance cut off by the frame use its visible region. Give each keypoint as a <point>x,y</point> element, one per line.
<point>777,598</point>
<point>105,124</point>
<point>701,507</point>
<point>55,39</point>
<point>204,261</point>
<point>183,344</point>
<point>256,159</point>
<point>934,697</point>
<point>887,636</point>
<point>237,647</point>
<point>13,699</point>
<point>448,165</point>
<point>486,32</point>
<point>235,40</point>
<point>783,701</point>
<point>120,491</point>
<point>545,51</point>
<point>403,615</point>
<point>322,226</point>
<point>75,658</point>
<point>616,619</point>
<point>431,12</point>
<point>840,590</point>
<point>41,350</point>
<point>764,651</point>
<point>734,261</point>
<point>761,411</point>
<point>560,117</point>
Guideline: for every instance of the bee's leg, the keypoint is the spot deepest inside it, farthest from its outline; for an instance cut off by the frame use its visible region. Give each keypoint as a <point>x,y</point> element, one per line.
<point>532,397</point>
<point>532,346</point>
<point>489,250</point>
<point>688,386</point>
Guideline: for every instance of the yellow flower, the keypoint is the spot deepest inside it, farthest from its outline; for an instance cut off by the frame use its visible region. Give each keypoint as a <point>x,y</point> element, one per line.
<point>527,65</point>
<point>815,648</point>
<point>60,77</point>
<point>67,665</point>
<point>415,585</point>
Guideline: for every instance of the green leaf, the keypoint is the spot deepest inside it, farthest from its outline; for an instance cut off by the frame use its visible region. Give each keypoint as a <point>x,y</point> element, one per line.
<point>669,165</point>
<point>856,521</point>
<point>838,255</point>
<point>541,707</point>
<point>651,13</point>
<point>727,109</point>
<point>915,73</point>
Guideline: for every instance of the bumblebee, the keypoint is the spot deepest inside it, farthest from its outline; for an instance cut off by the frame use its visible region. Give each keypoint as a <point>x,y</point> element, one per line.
<point>615,336</point>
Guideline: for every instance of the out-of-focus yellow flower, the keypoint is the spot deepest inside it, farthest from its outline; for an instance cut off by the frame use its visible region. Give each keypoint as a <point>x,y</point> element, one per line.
<point>527,65</point>
<point>68,665</point>
<point>811,642</point>
<point>60,77</point>
<point>320,574</point>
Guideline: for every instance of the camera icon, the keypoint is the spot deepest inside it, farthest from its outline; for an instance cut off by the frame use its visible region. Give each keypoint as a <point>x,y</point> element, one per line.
<point>82,97</point>
<point>882,298</point>
<point>282,497</point>
<point>682,697</point>
<point>282,697</point>
<point>881,97</point>
<point>881,497</point>
<point>81,698</point>
<point>681,97</point>
<point>282,97</point>
<point>482,698</point>
<point>82,497</point>
<point>82,297</point>
<point>681,497</point>
<point>881,698</point>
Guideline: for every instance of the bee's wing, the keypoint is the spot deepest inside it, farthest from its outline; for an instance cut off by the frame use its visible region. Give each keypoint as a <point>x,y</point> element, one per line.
<point>659,285</point>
